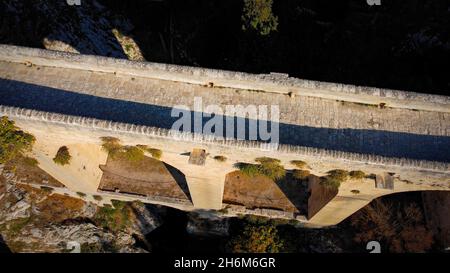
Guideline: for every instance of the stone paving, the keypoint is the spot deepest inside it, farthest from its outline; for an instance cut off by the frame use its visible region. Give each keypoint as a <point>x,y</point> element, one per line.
<point>305,121</point>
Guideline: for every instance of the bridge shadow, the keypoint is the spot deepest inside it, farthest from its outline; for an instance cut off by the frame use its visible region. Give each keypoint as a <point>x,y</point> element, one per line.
<point>296,191</point>
<point>180,178</point>
<point>3,246</point>
<point>377,142</point>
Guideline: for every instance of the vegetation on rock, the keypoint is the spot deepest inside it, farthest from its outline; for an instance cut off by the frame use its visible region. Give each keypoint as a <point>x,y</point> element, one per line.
<point>338,174</point>
<point>300,174</point>
<point>63,156</point>
<point>81,194</point>
<point>110,144</point>
<point>13,141</point>
<point>267,166</point>
<point>97,197</point>
<point>133,154</point>
<point>156,153</point>
<point>256,238</point>
<point>115,218</point>
<point>299,164</point>
<point>330,182</point>
<point>267,160</point>
<point>47,189</point>
<point>220,158</point>
<point>334,178</point>
<point>30,161</point>
<point>357,174</point>
<point>130,153</point>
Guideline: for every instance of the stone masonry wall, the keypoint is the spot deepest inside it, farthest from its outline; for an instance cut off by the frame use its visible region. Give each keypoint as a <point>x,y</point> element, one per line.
<point>18,113</point>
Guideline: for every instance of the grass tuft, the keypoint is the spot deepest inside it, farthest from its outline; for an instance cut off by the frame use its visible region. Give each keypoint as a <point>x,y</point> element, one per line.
<point>267,160</point>
<point>97,198</point>
<point>357,174</point>
<point>110,144</point>
<point>81,194</point>
<point>271,169</point>
<point>63,156</point>
<point>301,174</point>
<point>220,158</point>
<point>330,182</point>
<point>299,164</point>
<point>339,174</point>
<point>156,153</point>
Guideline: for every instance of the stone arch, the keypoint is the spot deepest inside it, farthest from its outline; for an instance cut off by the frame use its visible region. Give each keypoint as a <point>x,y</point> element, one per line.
<point>150,177</point>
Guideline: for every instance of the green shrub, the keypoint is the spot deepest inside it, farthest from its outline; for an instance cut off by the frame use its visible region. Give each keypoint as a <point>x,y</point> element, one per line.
<point>258,16</point>
<point>301,174</point>
<point>114,218</point>
<point>132,153</point>
<point>273,171</point>
<point>256,239</point>
<point>330,182</point>
<point>269,169</point>
<point>97,198</point>
<point>267,160</point>
<point>357,174</point>
<point>63,156</point>
<point>299,164</point>
<point>47,189</point>
<point>29,161</point>
<point>91,248</point>
<point>156,153</point>
<point>341,175</point>
<point>81,194</point>
<point>116,150</point>
<point>334,178</point>
<point>138,203</point>
<point>110,144</point>
<point>16,225</point>
<point>250,170</point>
<point>220,158</point>
<point>118,204</point>
<point>142,147</point>
<point>355,191</point>
<point>13,141</point>
<point>256,219</point>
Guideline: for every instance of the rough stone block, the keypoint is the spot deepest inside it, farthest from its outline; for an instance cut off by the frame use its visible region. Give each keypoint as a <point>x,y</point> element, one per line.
<point>197,157</point>
<point>384,181</point>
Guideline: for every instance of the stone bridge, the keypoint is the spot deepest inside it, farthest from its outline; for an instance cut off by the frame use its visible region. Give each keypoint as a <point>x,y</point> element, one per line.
<point>73,100</point>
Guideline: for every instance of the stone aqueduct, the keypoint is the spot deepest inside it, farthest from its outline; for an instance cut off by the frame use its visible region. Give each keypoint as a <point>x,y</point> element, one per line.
<point>69,99</point>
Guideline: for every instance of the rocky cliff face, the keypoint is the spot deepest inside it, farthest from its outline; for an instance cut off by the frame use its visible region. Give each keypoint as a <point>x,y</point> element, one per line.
<point>35,220</point>
<point>86,29</point>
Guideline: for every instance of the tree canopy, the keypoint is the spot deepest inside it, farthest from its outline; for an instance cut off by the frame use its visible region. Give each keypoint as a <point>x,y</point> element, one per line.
<point>257,15</point>
<point>255,238</point>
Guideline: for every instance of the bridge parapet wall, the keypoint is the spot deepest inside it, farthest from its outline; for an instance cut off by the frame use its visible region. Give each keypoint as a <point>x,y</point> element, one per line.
<point>274,82</point>
<point>154,132</point>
